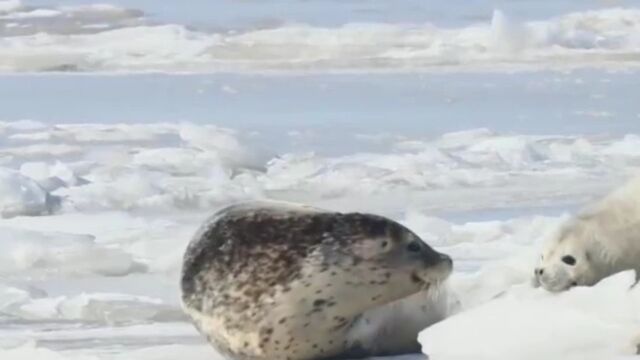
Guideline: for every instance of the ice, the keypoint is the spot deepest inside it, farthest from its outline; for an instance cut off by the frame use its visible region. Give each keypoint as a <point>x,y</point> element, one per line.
<point>9,6</point>
<point>51,177</point>
<point>107,38</point>
<point>12,296</point>
<point>507,35</point>
<point>32,353</point>
<point>31,252</point>
<point>131,197</point>
<point>525,323</point>
<point>166,352</point>
<point>629,146</point>
<point>169,352</point>
<point>108,309</point>
<point>188,167</point>
<point>161,167</point>
<point>20,195</point>
<point>22,125</point>
<point>419,111</point>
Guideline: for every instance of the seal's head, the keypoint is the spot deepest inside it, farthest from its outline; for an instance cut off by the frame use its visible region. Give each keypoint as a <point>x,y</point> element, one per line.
<point>571,258</point>
<point>378,241</point>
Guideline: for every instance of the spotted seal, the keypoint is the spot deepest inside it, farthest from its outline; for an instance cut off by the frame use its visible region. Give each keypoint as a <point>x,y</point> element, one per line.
<point>283,281</point>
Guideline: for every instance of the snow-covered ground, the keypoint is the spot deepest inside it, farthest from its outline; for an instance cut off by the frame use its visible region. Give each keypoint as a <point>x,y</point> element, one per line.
<point>96,216</point>
<point>481,130</point>
<point>99,37</point>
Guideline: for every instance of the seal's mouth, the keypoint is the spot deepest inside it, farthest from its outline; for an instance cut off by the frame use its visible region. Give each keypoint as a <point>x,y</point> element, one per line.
<point>433,273</point>
<point>417,279</point>
<point>556,288</point>
<point>420,281</point>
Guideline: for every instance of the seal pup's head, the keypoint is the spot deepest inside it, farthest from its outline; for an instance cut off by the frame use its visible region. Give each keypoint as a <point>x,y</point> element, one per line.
<point>602,240</point>
<point>566,260</point>
<point>583,252</point>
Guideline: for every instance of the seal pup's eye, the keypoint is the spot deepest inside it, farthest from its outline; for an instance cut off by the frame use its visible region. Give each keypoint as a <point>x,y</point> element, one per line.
<point>413,246</point>
<point>569,260</point>
<point>384,244</point>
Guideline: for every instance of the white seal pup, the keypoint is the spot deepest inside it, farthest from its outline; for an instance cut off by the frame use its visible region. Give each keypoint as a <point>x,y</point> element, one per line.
<point>602,240</point>
<point>281,281</point>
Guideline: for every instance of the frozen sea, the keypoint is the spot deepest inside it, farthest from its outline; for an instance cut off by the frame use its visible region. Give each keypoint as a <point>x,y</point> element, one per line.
<point>481,125</point>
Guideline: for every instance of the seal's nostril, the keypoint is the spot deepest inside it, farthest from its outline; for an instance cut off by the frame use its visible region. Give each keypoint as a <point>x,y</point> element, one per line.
<point>446,259</point>
<point>538,271</point>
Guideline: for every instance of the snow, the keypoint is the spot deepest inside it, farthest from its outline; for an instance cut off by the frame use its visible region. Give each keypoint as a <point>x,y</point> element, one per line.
<point>9,5</point>
<point>108,309</point>
<point>130,197</point>
<point>26,251</point>
<point>20,195</point>
<point>418,111</point>
<point>630,146</point>
<point>106,38</point>
<point>90,262</point>
<point>135,171</point>
<point>525,323</point>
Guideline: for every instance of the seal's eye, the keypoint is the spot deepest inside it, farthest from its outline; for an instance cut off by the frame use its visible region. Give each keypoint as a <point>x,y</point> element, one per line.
<point>413,246</point>
<point>384,244</point>
<point>569,260</point>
